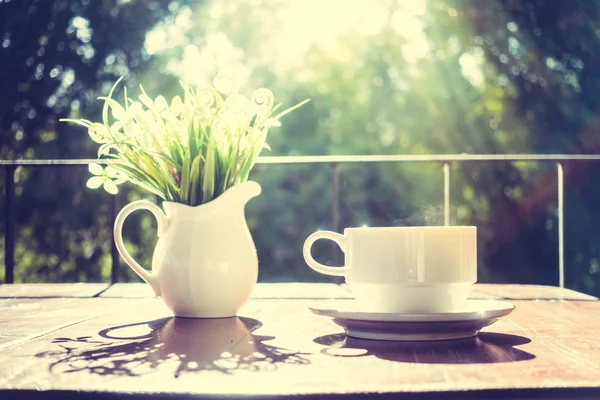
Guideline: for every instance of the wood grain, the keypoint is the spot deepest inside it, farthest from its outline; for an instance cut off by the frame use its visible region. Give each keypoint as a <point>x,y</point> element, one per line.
<point>526,292</point>
<point>278,290</point>
<point>332,291</point>
<point>261,291</point>
<point>51,289</point>
<point>277,347</point>
<point>26,318</point>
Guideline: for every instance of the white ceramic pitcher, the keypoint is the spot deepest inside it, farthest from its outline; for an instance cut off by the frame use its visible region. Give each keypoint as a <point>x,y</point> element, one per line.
<point>204,264</point>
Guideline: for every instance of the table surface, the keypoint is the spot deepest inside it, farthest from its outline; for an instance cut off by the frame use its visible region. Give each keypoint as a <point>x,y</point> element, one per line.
<point>70,340</point>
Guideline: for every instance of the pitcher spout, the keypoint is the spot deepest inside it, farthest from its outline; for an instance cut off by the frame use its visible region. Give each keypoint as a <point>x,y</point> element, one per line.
<point>242,193</point>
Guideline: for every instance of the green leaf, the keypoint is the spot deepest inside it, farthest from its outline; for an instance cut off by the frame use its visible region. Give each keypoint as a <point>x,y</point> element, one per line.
<point>185,179</point>
<point>208,178</point>
<point>289,110</point>
<point>195,184</point>
<point>121,179</point>
<point>271,122</point>
<point>82,122</point>
<point>95,182</point>
<point>105,108</point>
<point>133,170</point>
<point>110,187</point>
<point>192,140</point>
<point>163,156</point>
<point>140,177</point>
<point>96,169</point>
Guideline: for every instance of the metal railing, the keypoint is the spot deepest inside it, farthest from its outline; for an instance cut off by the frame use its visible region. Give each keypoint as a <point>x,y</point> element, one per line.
<point>11,166</point>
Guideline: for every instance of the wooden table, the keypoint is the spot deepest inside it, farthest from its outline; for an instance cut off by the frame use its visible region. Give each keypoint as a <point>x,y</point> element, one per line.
<point>95,341</point>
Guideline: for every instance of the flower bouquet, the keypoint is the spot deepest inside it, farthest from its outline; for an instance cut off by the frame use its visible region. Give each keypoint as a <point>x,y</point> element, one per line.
<point>189,150</point>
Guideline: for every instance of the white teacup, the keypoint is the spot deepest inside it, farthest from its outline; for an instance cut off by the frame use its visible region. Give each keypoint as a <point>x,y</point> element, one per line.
<point>417,269</point>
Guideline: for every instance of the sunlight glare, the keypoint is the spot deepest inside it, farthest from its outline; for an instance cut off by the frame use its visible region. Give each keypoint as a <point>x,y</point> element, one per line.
<point>471,65</point>
<point>323,23</point>
<point>218,55</point>
<point>295,28</point>
<point>169,35</point>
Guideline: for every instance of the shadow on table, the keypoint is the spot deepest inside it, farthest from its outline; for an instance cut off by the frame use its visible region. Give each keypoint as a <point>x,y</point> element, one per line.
<point>184,345</point>
<point>482,349</point>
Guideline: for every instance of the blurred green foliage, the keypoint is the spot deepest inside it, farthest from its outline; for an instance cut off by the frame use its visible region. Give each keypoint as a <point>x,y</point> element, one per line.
<point>456,76</point>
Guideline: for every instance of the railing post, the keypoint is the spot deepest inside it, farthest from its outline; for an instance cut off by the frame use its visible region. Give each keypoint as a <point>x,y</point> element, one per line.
<point>561,226</point>
<point>9,228</point>
<point>335,207</point>
<point>446,194</point>
<point>114,254</point>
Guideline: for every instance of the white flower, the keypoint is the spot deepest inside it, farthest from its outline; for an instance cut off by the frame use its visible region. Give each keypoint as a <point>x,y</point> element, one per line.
<point>108,178</point>
<point>176,106</point>
<point>98,133</point>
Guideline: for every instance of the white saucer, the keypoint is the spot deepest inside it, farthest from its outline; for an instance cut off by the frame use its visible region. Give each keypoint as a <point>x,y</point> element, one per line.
<point>460,324</point>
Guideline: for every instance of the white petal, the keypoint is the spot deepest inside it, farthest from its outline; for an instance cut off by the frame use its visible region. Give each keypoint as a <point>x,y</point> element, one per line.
<point>116,127</point>
<point>160,103</point>
<point>176,106</point>
<point>111,172</point>
<point>118,111</point>
<point>134,110</point>
<point>110,187</point>
<point>97,133</point>
<point>147,101</point>
<point>96,169</point>
<point>95,182</point>
<point>168,115</point>
<point>130,128</point>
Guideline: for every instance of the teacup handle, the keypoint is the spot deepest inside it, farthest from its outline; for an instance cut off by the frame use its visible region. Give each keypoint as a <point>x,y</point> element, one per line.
<point>162,221</point>
<point>340,240</point>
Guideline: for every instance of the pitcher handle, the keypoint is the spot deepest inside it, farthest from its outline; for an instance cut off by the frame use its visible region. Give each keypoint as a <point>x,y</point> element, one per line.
<point>162,221</point>
<point>340,240</point>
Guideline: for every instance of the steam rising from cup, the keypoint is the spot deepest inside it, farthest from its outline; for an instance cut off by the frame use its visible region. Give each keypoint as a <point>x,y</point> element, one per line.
<point>431,216</point>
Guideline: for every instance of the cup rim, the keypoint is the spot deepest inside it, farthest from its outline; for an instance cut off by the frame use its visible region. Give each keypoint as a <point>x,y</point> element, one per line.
<point>400,228</point>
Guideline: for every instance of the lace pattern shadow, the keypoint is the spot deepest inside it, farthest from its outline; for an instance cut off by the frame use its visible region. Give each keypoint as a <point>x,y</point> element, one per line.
<point>183,345</point>
<point>482,349</point>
